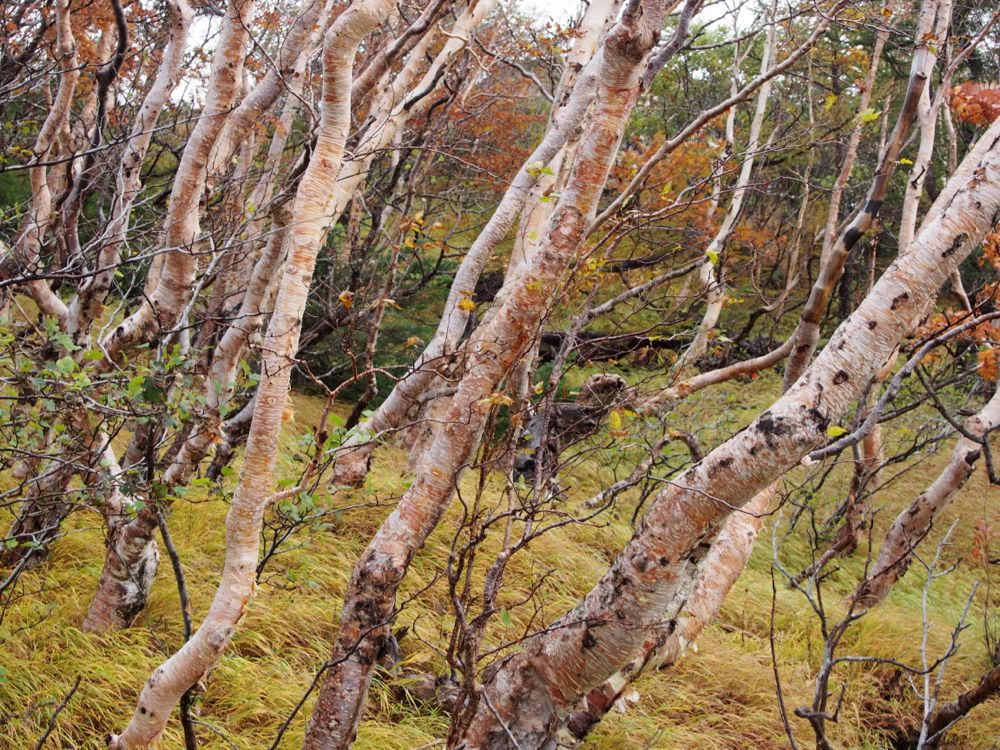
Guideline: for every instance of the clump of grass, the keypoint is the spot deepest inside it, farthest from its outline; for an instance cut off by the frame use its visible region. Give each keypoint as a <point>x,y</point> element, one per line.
<point>720,696</point>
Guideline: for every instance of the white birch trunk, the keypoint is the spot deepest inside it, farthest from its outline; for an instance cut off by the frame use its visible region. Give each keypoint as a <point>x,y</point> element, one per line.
<point>494,350</point>
<point>572,100</point>
<point>310,222</point>
<point>532,690</point>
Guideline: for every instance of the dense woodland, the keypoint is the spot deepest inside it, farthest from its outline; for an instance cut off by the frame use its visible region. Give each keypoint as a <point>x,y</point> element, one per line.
<point>439,373</point>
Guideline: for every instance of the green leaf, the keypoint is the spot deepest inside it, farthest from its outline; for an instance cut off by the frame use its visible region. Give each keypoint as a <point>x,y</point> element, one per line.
<point>65,341</point>
<point>505,618</point>
<point>713,257</point>
<point>66,364</point>
<point>152,392</point>
<point>534,169</point>
<point>869,115</point>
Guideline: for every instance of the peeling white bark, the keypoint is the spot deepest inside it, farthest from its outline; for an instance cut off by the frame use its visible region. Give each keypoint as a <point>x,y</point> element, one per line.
<point>531,690</point>
<point>310,222</point>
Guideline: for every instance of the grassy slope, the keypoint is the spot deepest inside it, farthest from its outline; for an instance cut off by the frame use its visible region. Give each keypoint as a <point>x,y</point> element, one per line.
<point>721,696</point>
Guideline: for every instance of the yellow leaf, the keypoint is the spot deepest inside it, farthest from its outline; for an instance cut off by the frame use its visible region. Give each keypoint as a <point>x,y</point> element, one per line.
<point>466,304</point>
<point>835,430</point>
<point>497,399</point>
<point>413,341</point>
<point>346,298</point>
<point>615,420</point>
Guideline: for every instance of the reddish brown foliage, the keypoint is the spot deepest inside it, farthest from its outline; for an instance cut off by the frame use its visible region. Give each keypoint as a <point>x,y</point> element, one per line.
<point>975,103</point>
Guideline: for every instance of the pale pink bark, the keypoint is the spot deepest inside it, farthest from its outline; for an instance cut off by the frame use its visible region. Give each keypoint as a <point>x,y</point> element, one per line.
<point>87,305</point>
<point>572,100</point>
<point>722,566</point>
<point>916,521</point>
<point>310,222</point>
<point>132,558</point>
<point>169,285</point>
<point>389,112</point>
<point>27,246</point>
<point>385,56</point>
<point>710,275</point>
<point>121,592</point>
<point>531,691</point>
<point>493,351</point>
<point>41,513</point>
<point>298,45</point>
<point>696,383</point>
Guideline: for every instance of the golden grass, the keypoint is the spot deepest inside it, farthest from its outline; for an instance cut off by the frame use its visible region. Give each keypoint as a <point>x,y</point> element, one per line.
<point>719,697</point>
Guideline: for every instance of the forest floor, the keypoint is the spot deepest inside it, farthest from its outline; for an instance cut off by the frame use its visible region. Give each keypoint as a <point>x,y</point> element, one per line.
<point>719,696</point>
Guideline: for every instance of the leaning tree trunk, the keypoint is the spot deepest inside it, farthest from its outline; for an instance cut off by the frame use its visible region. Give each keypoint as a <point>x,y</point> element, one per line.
<point>722,566</point>
<point>131,549</point>
<point>169,285</point>
<point>940,721</point>
<point>27,246</point>
<point>43,509</point>
<point>493,351</point>
<point>88,303</point>
<point>531,692</point>
<point>806,335</point>
<point>914,523</point>
<point>133,539</point>
<point>572,100</point>
<point>289,64</point>
<point>310,222</point>
<point>710,275</point>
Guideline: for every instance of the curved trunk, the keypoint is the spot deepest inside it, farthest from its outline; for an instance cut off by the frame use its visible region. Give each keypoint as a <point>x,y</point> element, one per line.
<point>719,571</point>
<point>132,554</point>
<point>168,287</point>
<point>572,100</point>
<point>289,64</point>
<point>28,245</point>
<point>310,222</point>
<point>806,334</point>
<point>131,559</point>
<point>531,691</point>
<point>88,303</point>
<point>939,722</point>
<point>710,275</point>
<point>493,351</point>
<point>914,523</point>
